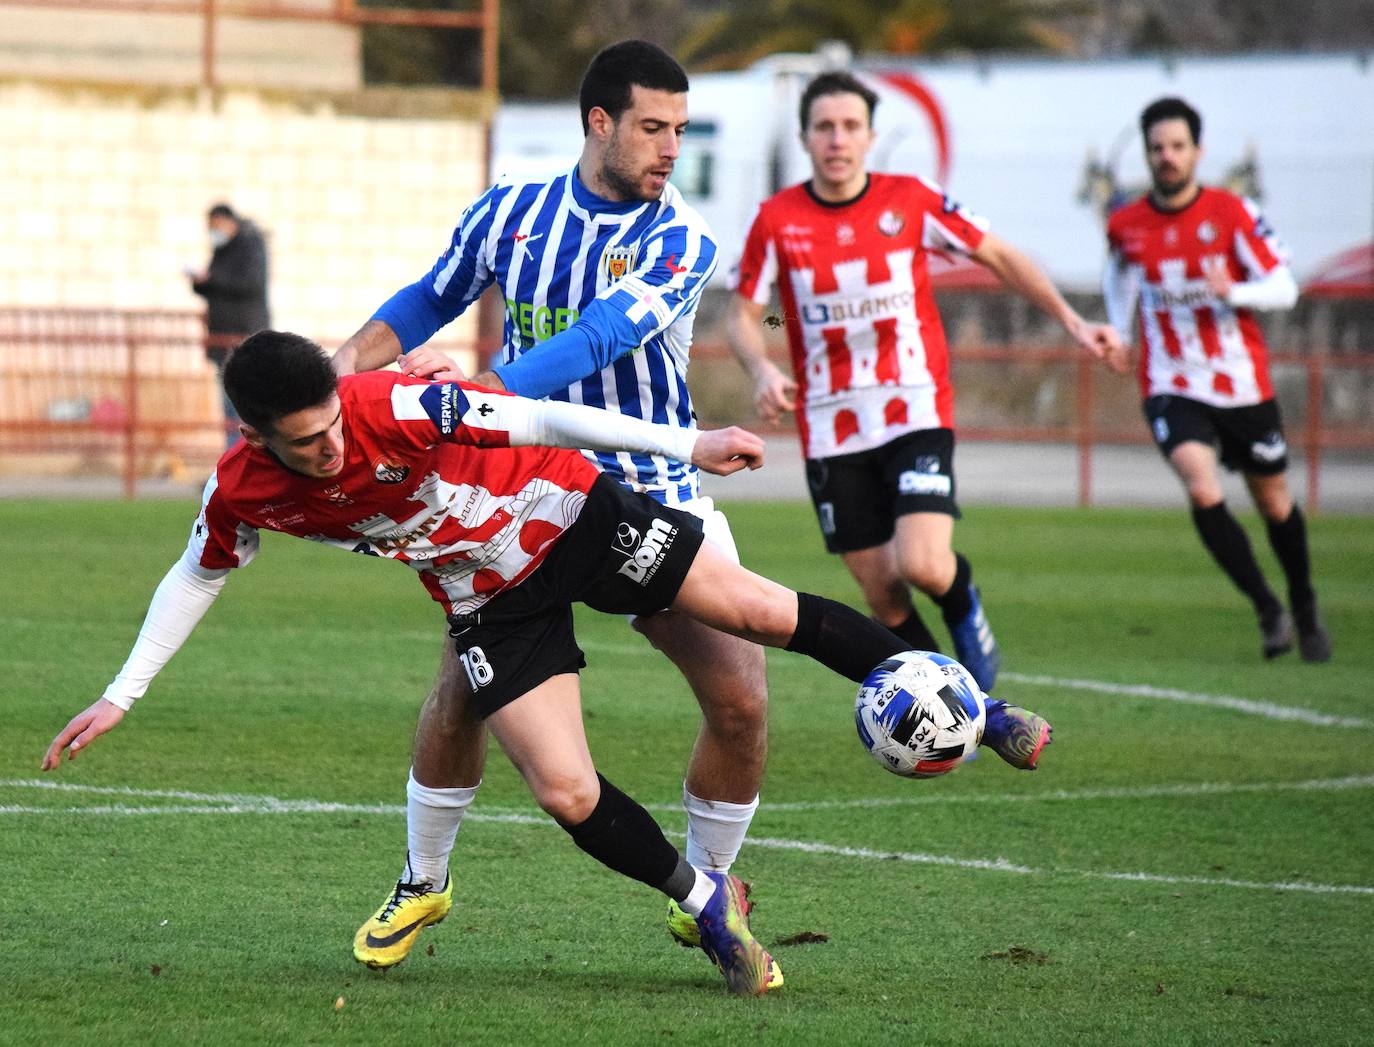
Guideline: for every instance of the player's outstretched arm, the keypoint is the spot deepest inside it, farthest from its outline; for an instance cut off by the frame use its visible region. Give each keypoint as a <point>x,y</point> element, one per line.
<point>179,602</point>
<point>82,729</point>
<point>468,415</point>
<point>774,392</point>
<point>1027,279</point>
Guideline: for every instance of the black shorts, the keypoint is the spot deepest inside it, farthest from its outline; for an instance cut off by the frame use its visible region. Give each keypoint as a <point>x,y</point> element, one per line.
<point>859,496</point>
<point>1250,438</point>
<point>625,554</point>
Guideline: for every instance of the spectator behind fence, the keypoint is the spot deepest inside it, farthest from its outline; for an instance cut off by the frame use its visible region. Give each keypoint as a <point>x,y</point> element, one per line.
<point>234,287</point>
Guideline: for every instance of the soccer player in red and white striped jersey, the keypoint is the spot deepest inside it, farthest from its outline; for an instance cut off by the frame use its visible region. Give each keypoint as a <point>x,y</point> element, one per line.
<point>1201,260</point>
<point>468,486</point>
<point>848,250</point>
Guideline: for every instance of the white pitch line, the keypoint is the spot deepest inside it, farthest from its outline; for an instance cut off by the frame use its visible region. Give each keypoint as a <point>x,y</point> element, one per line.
<point>1002,865</point>
<point>1268,710</point>
<point>1146,792</point>
<point>234,804</point>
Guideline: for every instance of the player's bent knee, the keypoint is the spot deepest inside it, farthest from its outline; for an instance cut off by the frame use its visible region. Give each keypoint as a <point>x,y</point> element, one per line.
<point>569,799</point>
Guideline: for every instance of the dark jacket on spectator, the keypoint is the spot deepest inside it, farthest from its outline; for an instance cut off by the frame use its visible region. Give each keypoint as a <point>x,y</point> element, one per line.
<point>235,284</point>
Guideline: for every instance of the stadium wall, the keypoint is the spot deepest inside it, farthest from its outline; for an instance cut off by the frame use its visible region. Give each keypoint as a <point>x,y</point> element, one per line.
<point>356,191</point>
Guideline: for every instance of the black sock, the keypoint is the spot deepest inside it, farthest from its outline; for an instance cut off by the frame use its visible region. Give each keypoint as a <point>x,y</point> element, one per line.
<point>1225,539</point>
<point>841,638</point>
<point>914,633</point>
<point>1289,540</point>
<point>956,603</point>
<point>623,836</point>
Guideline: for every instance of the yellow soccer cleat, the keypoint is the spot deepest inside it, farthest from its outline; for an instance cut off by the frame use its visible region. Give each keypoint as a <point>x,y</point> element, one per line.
<point>387,938</point>
<point>684,930</point>
<point>727,940</point>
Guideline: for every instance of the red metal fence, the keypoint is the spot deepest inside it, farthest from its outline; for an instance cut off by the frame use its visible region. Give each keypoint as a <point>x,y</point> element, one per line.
<point>87,392</point>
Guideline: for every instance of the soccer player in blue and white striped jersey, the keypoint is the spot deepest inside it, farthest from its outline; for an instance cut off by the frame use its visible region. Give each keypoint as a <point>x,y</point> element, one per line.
<point>601,270</point>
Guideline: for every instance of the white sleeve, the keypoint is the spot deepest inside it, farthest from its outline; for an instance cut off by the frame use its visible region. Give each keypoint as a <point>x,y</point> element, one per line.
<point>553,423</point>
<point>1275,290</point>
<point>181,600</point>
<point>1119,293</point>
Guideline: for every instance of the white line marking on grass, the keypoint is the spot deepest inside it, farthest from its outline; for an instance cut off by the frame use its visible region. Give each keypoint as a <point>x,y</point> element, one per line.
<point>1146,792</point>
<point>1002,865</point>
<point>234,803</point>
<point>1269,710</point>
<point>228,803</point>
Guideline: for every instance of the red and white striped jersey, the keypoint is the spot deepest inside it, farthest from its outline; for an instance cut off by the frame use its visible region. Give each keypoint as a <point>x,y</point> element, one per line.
<point>1194,343</point>
<point>867,346</point>
<point>429,479</point>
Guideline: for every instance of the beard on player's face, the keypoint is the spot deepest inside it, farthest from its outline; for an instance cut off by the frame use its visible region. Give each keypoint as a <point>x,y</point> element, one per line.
<point>1171,178</point>
<point>629,178</point>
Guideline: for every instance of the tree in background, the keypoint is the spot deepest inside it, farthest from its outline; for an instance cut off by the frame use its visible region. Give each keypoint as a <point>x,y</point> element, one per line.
<point>546,44</point>
<point>736,35</point>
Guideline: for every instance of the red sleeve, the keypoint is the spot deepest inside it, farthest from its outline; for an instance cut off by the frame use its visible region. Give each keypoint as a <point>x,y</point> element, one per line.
<point>219,538</point>
<point>1114,232</point>
<point>1260,249</point>
<point>945,224</point>
<point>753,278</point>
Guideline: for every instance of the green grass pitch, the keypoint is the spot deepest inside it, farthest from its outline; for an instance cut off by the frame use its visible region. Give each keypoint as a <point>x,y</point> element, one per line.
<point>1193,863</point>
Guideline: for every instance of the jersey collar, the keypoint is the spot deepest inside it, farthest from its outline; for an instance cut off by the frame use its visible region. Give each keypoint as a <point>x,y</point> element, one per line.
<point>1150,198</point>
<point>811,192</point>
<point>589,203</point>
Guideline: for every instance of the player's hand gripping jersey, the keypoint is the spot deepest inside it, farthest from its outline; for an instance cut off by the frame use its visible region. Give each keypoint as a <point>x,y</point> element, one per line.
<point>1195,344</point>
<point>628,274</point>
<point>431,477</point>
<point>867,345</point>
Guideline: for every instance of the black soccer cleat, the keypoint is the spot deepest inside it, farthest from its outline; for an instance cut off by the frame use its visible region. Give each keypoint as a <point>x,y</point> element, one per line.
<point>1276,631</point>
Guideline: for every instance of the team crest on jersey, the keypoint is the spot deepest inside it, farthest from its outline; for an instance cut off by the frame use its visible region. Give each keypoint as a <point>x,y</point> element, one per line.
<point>385,471</point>
<point>890,223</point>
<point>1206,232</point>
<point>618,260</point>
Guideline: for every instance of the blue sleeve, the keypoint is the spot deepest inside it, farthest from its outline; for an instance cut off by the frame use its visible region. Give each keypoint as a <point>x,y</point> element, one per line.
<point>456,280</point>
<point>414,312</point>
<point>601,335</point>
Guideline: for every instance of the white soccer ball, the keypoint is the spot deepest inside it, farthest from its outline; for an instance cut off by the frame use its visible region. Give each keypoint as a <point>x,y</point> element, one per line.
<point>920,714</point>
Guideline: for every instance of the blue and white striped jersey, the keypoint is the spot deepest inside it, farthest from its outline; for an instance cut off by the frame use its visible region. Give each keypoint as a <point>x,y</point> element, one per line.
<point>619,281</point>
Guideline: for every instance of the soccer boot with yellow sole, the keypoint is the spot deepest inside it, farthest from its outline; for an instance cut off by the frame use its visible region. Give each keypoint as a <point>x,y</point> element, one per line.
<point>683,929</point>
<point>723,928</point>
<point>387,938</point>
<point>1017,735</point>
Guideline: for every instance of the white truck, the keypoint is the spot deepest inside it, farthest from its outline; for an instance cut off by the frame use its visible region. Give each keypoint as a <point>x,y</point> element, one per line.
<point>1040,146</point>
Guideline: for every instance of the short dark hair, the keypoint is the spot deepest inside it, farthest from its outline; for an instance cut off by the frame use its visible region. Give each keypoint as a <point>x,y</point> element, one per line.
<point>275,373</point>
<point>836,84</point>
<point>606,83</point>
<point>1171,109</point>
<point>223,210</point>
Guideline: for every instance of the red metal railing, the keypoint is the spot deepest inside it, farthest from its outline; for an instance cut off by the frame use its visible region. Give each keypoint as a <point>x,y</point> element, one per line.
<point>1105,407</point>
<point>117,389</point>
<point>98,391</point>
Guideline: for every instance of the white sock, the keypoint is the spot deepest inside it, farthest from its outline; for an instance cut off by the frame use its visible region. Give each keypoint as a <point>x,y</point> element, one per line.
<point>701,894</point>
<point>432,820</point>
<point>715,830</point>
